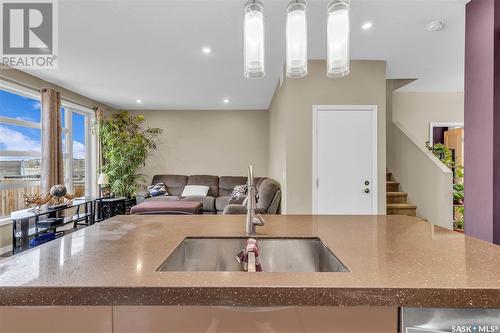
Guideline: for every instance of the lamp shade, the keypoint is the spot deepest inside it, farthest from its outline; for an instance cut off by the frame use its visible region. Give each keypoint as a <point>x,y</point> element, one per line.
<point>103,179</point>
<point>338,38</point>
<point>253,35</point>
<point>296,39</point>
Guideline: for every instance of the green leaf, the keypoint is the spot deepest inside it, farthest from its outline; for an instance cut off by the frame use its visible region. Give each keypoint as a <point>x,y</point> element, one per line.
<point>125,148</point>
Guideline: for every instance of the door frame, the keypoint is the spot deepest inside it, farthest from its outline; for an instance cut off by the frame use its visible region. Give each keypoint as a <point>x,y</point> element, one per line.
<point>333,108</point>
<point>433,124</point>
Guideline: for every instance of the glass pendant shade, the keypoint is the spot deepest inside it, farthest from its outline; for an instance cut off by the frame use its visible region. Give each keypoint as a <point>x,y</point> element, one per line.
<point>253,35</point>
<point>338,39</point>
<point>296,39</point>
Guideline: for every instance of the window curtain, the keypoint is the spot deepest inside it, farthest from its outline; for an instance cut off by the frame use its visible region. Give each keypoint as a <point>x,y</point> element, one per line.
<point>99,114</point>
<point>52,172</point>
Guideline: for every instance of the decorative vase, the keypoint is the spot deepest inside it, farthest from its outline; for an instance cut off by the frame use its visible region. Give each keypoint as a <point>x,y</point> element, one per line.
<point>58,191</point>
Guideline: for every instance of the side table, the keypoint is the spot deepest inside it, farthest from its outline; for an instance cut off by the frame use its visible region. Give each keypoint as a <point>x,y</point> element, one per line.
<point>109,207</point>
<point>129,203</point>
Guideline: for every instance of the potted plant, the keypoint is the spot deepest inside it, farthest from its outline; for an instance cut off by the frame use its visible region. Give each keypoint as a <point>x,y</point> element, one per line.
<point>125,145</point>
<point>458,224</point>
<point>445,155</point>
<point>458,194</point>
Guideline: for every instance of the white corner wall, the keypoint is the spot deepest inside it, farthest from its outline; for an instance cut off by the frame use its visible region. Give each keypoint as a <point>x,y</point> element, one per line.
<point>415,110</point>
<point>428,182</point>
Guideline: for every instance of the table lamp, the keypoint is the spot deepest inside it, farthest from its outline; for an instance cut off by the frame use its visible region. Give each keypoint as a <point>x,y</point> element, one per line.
<point>103,183</point>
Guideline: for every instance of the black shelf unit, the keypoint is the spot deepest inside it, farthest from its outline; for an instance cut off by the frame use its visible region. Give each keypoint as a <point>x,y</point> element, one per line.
<point>25,227</point>
<point>109,207</point>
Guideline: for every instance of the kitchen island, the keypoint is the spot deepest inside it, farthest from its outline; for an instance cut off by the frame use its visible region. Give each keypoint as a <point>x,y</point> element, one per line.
<point>392,261</point>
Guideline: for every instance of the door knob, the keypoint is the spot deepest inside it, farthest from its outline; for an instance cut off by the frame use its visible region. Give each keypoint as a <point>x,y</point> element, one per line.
<point>366,190</point>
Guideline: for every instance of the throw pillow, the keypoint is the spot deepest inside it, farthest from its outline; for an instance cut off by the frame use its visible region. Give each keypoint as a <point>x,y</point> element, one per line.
<point>239,191</point>
<point>195,191</point>
<point>157,190</point>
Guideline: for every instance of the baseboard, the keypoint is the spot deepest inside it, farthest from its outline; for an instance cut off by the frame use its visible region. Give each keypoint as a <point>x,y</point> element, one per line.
<point>5,249</point>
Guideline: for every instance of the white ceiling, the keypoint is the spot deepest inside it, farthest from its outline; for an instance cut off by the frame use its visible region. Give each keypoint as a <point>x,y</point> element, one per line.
<point>119,51</point>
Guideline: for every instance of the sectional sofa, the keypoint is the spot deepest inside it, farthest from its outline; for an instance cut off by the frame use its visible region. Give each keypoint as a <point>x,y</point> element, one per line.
<point>219,194</point>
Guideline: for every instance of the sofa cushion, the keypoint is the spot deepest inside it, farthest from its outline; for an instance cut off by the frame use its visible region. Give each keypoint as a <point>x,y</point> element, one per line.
<point>221,203</point>
<point>164,198</point>
<point>167,207</point>
<point>267,189</point>
<point>158,189</point>
<point>258,180</point>
<point>174,183</point>
<point>239,210</point>
<point>227,184</point>
<point>210,181</point>
<point>239,191</point>
<point>143,194</point>
<point>208,202</point>
<point>239,201</point>
<point>195,191</point>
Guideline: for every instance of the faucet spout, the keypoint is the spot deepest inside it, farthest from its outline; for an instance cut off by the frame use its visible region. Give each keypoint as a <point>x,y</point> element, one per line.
<point>252,219</point>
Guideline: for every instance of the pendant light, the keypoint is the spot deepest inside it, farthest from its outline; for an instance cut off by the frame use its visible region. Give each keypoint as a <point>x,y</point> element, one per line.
<point>253,39</point>
<point>338,39</point>
<point>296,39</point>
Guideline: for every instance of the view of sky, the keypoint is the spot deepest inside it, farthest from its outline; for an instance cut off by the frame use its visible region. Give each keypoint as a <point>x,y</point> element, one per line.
<point>24,139</point>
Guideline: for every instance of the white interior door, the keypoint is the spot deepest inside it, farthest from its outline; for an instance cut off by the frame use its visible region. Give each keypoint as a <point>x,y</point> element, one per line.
<point>345,163</point>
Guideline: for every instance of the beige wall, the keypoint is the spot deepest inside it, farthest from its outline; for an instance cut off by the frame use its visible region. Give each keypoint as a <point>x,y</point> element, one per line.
<point>208,142</point>
<point>415,110</point>
<point>366,85</point>
<point>277,141</point>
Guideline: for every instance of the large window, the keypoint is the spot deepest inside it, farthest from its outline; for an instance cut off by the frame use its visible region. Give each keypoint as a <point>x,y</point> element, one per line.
<point>20,134</point>
<point>76,142</point>
<point>20,147</point>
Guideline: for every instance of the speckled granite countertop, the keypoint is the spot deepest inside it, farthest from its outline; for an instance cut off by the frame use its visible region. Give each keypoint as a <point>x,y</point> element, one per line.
<point>393,261</point>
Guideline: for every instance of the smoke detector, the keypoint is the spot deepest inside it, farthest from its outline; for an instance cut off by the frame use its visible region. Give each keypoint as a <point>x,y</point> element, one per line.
<point>436,26</point>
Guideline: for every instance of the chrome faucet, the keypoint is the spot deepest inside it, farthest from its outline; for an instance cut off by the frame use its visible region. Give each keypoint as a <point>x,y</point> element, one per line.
<point>252,219</point>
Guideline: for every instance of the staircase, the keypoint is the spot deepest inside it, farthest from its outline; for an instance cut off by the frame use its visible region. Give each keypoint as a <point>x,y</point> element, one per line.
<point>397,202</point>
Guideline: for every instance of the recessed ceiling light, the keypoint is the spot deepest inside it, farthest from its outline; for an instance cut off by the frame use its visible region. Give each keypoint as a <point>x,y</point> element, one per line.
<point>367,25</point>
<point>138,101</point>
<point>206,50</point>
<point>226,101</point>
<point>435,26</point>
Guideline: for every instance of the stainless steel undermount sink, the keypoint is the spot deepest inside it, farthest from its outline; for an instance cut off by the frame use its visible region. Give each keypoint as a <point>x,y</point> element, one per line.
<point>209,254</point>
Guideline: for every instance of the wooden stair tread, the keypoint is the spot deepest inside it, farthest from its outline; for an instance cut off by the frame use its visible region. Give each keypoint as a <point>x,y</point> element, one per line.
<point>397,194</point>
<point>401,206</point>
<point>396,200</point>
